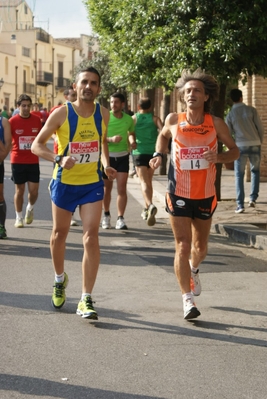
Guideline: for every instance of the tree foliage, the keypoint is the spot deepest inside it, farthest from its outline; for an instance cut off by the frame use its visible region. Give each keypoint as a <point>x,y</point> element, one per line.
<point>150,42</point>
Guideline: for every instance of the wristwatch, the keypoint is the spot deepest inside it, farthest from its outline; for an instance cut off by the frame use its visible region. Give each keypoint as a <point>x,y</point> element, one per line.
<point>157,154</point>
<point>58,159</point>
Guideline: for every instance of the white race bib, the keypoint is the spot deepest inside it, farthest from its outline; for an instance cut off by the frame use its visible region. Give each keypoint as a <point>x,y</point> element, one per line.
<point>191,158</point>
<point>85,152</point>
<point>25,142</point>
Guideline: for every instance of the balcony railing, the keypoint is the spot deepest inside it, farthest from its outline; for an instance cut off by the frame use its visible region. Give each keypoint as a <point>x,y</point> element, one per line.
<point>28,88</point>
<point>42,36</point>
<point>44,78</point>
<point>62,83</point>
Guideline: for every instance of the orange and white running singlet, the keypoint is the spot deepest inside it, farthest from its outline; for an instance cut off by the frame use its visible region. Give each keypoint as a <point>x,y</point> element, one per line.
<point>190,175</point>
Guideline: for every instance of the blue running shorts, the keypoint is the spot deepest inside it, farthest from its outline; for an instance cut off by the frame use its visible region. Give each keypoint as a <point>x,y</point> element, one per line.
<point>68,197</point>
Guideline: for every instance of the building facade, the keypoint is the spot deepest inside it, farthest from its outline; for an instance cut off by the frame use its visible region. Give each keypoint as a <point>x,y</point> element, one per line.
<point>32,62</point>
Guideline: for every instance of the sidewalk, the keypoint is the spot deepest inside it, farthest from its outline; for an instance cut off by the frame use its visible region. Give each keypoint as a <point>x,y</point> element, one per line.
<point>249,228</point>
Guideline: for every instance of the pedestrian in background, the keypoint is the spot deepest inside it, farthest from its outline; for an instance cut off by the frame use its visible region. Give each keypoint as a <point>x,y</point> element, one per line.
<point>119,136</point>
<point>147,127</point>
<point>5,113</point>
<point>24,165</point>
<point>245,125</point>
<point>191,198</point>
<point>36,111</point>
<point>5,146</point>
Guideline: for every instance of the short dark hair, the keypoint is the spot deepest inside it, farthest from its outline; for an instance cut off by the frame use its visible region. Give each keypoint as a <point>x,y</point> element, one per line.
<point>120,96</point>
<point>88,69</point>
<point>144,103</point>
<point>210,84</point>
<point>235,95</point>
<point>66,92</point>
<point>23,97</point>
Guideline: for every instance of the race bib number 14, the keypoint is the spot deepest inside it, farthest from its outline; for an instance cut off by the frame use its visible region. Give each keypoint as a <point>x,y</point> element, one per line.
<point>191,158</point>
<point>85,152</point>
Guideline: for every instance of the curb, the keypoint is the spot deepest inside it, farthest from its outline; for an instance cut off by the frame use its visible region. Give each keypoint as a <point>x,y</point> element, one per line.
<point>247,234</point>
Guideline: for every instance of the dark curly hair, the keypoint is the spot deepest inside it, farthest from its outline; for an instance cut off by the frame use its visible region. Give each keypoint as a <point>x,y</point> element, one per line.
<point>211,86</point>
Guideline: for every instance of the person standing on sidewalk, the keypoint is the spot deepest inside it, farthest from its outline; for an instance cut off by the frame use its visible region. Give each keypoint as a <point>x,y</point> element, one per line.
<point>120,135</point>
<point>245,124</point>
<point>191,197</point>
<point>77,181</point>
<point>147,127</point>
<point>36,111</point>
<point>24,165</point>
<point>5,146</point>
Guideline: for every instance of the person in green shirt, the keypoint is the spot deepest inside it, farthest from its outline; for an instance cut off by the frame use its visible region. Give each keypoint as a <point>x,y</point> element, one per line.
<point>4,113</point>
<point>120,136</point>
<point>147,127</point>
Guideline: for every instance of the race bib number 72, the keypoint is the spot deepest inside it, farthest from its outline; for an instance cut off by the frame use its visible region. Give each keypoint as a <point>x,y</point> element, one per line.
<point>191,158</point>
<point>85,152</point>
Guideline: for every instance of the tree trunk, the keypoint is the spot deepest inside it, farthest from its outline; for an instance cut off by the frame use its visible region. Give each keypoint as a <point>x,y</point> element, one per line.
<point>150,93</point>
<point>218,110</point>
<point>166,111</point>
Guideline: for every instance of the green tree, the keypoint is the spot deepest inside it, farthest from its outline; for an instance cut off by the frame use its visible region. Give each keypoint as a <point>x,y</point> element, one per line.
<point>150,42</point>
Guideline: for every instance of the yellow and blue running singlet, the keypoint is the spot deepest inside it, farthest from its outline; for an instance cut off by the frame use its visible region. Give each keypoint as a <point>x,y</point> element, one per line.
<point>81,138</point>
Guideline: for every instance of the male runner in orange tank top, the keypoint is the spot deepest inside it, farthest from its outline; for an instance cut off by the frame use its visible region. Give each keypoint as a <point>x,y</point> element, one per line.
<point>191,198</point>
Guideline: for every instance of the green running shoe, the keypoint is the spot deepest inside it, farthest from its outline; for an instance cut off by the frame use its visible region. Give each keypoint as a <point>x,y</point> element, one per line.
<point>59,296</point>
<point>2,232</point>
<point>86,309</point>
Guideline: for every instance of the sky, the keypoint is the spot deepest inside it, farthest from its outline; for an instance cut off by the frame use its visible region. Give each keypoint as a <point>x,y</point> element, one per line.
<point>61,18</point>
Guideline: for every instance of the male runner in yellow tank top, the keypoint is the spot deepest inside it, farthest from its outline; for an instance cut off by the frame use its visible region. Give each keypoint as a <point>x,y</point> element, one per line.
<point>191,198</point>
<point>77,181</point>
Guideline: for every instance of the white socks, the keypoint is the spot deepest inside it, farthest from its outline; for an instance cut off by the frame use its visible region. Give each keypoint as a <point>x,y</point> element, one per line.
<point>29,207</point>
<point>193,269</point>
<point>187,295</point>
<point>59,278</point>
<point>18,215</point>
<point>84,295</point>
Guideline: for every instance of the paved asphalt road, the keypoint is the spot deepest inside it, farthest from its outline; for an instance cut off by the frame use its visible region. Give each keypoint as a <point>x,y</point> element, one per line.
<point>141,347</point>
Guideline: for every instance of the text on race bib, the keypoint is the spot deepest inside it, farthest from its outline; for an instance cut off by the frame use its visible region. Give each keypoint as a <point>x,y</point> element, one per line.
<point>85,152</point>
<point>25,142</point>
<point>191,158</point>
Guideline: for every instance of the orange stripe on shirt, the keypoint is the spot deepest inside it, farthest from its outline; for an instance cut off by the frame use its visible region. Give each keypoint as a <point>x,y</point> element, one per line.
<point>193,183</point>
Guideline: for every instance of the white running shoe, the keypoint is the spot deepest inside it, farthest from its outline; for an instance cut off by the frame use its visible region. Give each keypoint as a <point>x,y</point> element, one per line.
<point>195,283</point>
<point>19,223</point>
<point>29,216</point>
<point>73,222</point>
<point>144,214</point>
<point>190,309</point>
<point>151,213</point>
<point>106,222</point>
<point>120,224</point>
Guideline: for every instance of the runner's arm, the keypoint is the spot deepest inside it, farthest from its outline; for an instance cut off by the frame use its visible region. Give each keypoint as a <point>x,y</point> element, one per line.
<point>39,145</point>
<point>109,171</point>
<point>5,147</point>
<point>163,140</point>
<point>224,136</point>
